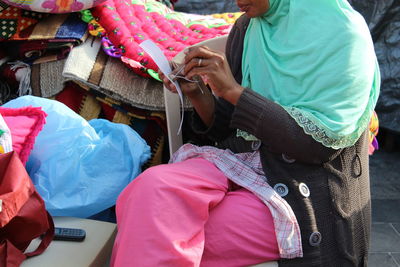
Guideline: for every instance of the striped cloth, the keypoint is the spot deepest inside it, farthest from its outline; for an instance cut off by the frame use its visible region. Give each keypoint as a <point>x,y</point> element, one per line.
<point>39,37</point>
<point>245,170</point>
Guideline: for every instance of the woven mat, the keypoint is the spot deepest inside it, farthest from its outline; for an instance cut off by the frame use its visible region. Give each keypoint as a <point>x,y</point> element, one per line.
<point>90,66</point>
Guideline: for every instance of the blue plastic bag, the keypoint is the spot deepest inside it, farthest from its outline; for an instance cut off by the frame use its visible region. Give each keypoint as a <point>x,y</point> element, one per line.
<point>79,167</point>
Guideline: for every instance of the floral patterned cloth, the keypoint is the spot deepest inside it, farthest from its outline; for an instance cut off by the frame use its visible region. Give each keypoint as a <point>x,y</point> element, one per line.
<point>54,6</point>
<point>124,24</point>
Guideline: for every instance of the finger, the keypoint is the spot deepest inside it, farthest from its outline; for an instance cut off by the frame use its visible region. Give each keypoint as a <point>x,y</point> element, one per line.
<point>178,70</point>
<point>208,66</point>
<point>199,52</point>
<point>197,63</point>
<point>166,81</point>
<point>161,75</point>
<point>170,84</point>
<point>173,65</point>
<point>171,87</point>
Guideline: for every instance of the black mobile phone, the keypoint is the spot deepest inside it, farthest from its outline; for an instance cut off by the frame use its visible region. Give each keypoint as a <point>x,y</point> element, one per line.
<point>69,234</point>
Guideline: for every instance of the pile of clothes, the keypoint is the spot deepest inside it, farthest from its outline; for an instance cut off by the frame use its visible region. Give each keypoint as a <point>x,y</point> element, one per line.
<point>94,110</point>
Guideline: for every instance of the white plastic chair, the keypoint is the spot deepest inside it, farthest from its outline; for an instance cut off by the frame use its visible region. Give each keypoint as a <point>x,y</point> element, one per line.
<point>172,104</point>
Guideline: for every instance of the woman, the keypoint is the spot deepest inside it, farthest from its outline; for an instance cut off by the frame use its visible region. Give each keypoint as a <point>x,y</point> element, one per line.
<point>294,99</point>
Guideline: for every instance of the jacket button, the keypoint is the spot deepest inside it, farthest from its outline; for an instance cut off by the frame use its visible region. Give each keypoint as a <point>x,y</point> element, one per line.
<point>315,239</point>
<point>287,159</point>
<point>255,145</point>
<point>281,189</point>
<point>304,190</point>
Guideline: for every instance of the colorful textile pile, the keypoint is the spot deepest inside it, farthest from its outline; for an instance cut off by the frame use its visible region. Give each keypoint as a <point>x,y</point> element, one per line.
<point>125,24</point>
<point>27,38</point>
<point>45,39</point>
<point>54,6</point>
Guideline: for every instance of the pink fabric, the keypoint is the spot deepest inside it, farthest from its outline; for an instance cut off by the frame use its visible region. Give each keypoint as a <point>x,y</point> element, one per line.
<point>128,24</point>
<point>184,214</point>
<point>24,124</point>
<point>245,170</point>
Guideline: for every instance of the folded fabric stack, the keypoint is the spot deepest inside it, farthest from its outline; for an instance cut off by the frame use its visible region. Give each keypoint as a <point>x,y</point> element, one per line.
<point>51,38</point>
<point>27,38</point>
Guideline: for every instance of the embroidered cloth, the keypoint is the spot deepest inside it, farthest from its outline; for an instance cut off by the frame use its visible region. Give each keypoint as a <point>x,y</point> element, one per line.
<point>124,24</point>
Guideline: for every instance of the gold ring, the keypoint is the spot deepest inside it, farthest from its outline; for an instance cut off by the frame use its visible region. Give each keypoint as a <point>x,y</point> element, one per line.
<point>199,63</point>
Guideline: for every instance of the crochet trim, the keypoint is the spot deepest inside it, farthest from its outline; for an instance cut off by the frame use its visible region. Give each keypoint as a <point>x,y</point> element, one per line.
<point>325,136</point>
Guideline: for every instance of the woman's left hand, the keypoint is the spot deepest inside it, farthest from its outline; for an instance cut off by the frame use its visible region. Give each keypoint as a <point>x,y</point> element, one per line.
<point>213,67</point>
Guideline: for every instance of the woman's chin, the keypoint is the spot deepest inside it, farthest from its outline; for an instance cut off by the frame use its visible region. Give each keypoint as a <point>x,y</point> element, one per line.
<point>250,14</point>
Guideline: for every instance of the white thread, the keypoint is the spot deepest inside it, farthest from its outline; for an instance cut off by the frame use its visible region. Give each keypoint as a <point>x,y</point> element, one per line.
<point>177,75</point>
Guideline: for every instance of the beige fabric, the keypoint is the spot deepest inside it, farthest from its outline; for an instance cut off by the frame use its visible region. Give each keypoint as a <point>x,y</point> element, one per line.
<point>46,78</point>
<point>88,64</point>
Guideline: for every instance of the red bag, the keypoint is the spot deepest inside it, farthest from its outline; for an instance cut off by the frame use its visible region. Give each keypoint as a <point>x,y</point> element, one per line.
<point>23,216</point>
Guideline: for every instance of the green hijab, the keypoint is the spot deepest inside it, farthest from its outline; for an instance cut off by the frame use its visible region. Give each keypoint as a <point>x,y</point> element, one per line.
<point>316,59</point>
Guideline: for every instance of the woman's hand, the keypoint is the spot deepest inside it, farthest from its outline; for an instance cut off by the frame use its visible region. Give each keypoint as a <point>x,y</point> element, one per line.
<point>197,92</point>
<point>189,88</point>
<point>213,67</point>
